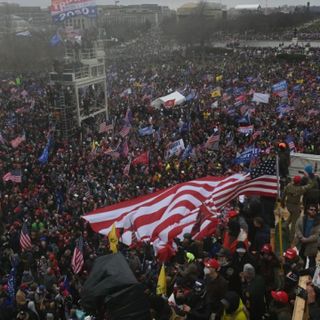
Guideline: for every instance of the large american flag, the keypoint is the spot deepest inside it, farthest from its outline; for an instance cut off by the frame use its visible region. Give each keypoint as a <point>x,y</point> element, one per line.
<point>77,261</point>
<point>14,176</point>
<point>25,240</point>
<point>171,212</point>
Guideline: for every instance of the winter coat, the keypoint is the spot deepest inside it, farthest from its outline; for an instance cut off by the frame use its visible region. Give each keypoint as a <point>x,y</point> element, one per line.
<point>311,246</point>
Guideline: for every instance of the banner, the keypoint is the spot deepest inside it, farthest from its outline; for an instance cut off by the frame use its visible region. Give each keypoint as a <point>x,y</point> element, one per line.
<point>64,9</point>
<point>261,97</point>
<point>247,155</point>
<point>246,130</point>
<point>280,86</point>
<point>175,148</point>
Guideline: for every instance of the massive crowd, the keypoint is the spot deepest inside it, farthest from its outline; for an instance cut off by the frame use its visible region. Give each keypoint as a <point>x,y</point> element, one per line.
<point>233,274</point>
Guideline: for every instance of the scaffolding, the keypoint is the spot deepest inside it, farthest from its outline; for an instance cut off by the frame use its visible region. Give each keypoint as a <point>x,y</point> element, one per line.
<point>80,88</point>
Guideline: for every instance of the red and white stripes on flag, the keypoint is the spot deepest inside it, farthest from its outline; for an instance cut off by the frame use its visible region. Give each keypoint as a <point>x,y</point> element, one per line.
<point>212,140</point>
<point>77,261</point>
<point>17,141</point>
<point>162,214</point>
<point>124,131</point>
<point>105,127</point>
<point>25,240</point>
<point>14,176</point>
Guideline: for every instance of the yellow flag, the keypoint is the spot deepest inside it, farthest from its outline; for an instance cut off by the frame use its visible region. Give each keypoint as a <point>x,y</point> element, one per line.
<point>93,146</point>
<point>113,239</point>
<point>219,78</point>
<point>216,93</point>
<point>300,81</point>
<point>162,282</point>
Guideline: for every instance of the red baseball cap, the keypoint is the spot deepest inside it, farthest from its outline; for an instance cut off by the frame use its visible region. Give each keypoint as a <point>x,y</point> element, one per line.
<point>280,296</point>
<point>290,254</point>
<point>266,248</point>
<point>297,179</point>
<point>212,263</point>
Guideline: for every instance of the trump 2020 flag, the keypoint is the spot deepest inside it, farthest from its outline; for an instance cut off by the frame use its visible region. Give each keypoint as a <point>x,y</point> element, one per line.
<point>280,86</point>
<point>246,156</point>
<point>147,131</point>
<point>261,97</point>
<point>162,282</point>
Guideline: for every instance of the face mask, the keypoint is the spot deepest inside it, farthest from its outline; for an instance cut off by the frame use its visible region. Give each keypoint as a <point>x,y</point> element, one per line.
<point>206,271</point>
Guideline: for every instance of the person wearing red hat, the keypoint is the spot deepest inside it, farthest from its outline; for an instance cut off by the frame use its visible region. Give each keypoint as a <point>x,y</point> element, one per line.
<point>216,286</point>
<point>270,269</point>
<point>235,216</point>
<point>280,308</point>
<point>292,261</point>
<point>292,200</point>
<point>284,159</point>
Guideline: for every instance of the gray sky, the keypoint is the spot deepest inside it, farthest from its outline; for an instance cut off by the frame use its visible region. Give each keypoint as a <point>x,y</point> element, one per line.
<point>175,3</point>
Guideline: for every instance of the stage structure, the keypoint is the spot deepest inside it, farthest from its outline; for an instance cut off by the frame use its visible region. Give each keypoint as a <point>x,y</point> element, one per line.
<point>80,89</point>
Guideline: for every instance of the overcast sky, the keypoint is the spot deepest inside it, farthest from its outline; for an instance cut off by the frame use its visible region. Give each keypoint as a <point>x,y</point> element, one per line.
<point>174,3</point>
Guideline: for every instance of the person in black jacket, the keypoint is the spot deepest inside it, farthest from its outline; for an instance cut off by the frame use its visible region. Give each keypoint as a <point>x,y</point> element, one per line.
<point>262,234</point>
<point>253,292</point>
<point>197,307</point>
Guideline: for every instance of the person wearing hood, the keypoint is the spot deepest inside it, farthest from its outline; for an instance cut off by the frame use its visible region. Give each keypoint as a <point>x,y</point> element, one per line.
<point>253,292</point>
<point>234,308</point>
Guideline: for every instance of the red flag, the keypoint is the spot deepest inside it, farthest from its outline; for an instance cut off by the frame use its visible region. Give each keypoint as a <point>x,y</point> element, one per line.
<point>170,103</point>
<point>143,158</point>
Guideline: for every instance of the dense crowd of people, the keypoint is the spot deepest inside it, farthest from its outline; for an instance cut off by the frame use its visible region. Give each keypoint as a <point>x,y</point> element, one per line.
<point>233,274</point>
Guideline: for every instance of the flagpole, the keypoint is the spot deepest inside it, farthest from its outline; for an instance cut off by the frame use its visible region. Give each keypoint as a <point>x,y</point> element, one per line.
<point>279,209</point>
<point>278,175</point>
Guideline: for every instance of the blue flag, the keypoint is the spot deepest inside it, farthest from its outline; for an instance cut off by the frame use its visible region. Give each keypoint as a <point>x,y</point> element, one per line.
<point>11,285</point>
<point>280,86</point>
<point>187,152</point>
<point>55,40</point>
<point>43,159</point>
<point>147,131</point>
<point>192,95</point>
<point>246,156</point>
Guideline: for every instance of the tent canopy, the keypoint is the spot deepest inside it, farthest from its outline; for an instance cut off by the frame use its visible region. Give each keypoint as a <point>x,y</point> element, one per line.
<point>176,96</point>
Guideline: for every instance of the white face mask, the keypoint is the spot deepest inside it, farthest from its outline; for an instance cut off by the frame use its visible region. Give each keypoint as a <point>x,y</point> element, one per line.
<point>206,271</point>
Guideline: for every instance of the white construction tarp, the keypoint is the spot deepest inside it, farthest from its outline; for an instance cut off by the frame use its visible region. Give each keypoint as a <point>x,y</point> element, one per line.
<point>300,160</point>
<point>176,97</point>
